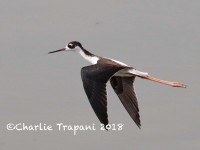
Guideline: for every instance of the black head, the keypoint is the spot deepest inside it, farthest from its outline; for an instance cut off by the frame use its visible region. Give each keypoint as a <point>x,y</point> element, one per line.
<point>71,46</point>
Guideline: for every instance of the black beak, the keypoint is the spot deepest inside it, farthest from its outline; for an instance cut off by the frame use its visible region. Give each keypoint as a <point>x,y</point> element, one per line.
<point>63,49</point>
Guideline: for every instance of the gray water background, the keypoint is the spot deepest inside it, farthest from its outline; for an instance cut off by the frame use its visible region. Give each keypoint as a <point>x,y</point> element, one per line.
<point>159,37</point>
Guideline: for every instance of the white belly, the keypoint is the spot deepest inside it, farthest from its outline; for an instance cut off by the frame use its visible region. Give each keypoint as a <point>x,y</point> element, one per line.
<point>130,72</point>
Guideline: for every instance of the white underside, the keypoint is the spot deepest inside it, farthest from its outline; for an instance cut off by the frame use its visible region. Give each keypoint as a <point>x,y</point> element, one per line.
<point>130,72</point>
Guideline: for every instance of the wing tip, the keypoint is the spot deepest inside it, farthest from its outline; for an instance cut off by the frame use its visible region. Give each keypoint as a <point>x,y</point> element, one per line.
<point>139,125</point>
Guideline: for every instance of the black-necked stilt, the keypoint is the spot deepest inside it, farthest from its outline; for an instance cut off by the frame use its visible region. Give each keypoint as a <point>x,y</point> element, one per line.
<point>121,77</point>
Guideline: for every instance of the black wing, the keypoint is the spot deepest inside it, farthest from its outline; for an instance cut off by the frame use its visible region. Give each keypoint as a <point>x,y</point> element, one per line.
<point>96,93</point>
<point>123,87</point>
<point>94,79</point>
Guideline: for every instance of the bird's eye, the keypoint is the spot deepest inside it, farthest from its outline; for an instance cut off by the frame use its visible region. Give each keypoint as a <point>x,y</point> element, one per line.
<point>71,46</point>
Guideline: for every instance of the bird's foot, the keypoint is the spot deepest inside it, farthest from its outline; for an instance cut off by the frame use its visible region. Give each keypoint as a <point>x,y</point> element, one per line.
<point>178,84</point>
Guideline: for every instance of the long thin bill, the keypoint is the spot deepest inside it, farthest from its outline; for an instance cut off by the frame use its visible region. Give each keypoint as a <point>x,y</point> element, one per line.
<point>57,51</point>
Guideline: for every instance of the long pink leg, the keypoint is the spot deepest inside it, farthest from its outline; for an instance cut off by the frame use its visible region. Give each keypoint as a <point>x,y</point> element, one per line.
<point>174,84</point>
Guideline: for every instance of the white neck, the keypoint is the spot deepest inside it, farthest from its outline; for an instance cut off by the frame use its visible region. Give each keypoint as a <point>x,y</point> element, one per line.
<point>91,59</point>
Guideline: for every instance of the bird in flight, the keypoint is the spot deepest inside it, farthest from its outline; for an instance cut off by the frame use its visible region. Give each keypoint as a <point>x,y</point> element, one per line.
<point>121,77</point>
